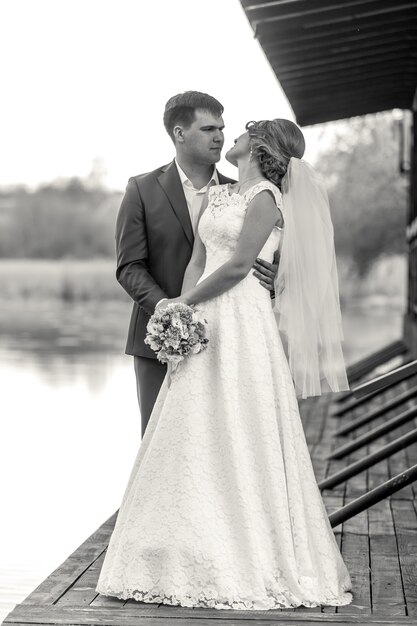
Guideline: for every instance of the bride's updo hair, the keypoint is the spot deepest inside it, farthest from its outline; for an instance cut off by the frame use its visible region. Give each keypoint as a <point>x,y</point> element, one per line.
<point>273,143</point>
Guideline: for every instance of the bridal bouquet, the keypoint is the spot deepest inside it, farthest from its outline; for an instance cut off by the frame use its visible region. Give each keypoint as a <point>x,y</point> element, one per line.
<point>175,332</point>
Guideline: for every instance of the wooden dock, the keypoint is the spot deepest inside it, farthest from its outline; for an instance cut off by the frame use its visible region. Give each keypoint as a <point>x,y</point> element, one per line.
<point>379,547</point>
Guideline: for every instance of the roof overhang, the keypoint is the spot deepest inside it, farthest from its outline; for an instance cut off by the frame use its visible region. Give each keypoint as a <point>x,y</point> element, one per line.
<point>337,59</point>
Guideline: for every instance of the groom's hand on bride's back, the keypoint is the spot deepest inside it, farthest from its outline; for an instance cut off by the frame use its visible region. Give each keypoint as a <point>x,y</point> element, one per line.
<point>265,272</point>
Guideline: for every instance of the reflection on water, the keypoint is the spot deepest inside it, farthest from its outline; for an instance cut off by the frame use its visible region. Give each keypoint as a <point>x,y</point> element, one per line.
<point>71,427</point>
<point>70,432</point>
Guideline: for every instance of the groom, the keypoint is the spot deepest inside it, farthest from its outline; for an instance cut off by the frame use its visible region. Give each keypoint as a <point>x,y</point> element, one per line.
<point>156,224</point>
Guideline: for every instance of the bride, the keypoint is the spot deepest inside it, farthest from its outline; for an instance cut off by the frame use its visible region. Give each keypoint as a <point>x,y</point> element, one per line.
<point>222,508</point>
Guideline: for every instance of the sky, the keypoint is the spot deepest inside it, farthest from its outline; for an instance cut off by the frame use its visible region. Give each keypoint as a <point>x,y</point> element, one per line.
<point>87,80</point>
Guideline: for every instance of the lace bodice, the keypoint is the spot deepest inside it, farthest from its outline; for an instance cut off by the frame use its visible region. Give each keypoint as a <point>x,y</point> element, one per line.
<point>221,223</point>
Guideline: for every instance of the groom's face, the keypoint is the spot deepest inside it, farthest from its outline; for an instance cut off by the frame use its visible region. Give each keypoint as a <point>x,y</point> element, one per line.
<point>204,139</point>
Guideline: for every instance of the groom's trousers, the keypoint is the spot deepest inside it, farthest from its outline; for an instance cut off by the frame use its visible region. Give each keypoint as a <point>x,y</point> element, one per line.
<point>150,374</point>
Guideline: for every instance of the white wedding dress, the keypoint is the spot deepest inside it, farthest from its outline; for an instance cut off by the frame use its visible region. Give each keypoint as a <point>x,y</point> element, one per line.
<point>222,508</point>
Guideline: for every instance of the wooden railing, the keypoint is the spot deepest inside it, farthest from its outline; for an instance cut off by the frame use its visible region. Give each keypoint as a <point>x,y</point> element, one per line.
<point>361,394</point>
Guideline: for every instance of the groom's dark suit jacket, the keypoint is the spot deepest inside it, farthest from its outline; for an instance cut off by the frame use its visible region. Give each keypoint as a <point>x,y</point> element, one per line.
<point>154,241</point>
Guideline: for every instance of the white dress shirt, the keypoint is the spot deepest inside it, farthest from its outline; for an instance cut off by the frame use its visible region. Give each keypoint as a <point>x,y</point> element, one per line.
<point>194,197</point>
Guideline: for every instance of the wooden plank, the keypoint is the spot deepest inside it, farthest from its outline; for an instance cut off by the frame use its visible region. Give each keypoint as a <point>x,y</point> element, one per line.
<point>319,455</point>
<point>345,52</point>
<point>314,417</point>
<point>303,11</point>
<point>183,617</point>
<point>342,37</point>
<point>386,469</point>
<point>250,615</point>
<point>378,473</point>
<point>107,601</point>
<point>74,566</point>
<point>273,29</point>
<point>345,60</point>
<point>320,467</point>
<point>333,502</point>
<point>323,47</point>
<point>352,68</point>
<point>317,115</point>
<point>387,591</point>
<point>380,519</point>
<point>405,520</point>
<point>356,485</point>
<point>376,27</point>
<point>311,413</point>
<point>411,459</point>
<point>334,466</point>
<point>381,524</point>
<point>355,552</point>
<point>405,517</point>
<point>314,412</point>
<point>83,591</point>
<point>408,572</point>
<point>411,455</point>
<point>398,463</point>
<point>358,524</point>
<point>393,582</point>
<point>355,80</point>
<point>333,609</point>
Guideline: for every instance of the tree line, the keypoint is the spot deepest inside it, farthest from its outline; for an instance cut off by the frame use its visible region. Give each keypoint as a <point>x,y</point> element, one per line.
<point>367,193</point>
<point>68,219</point>
<point>75,219</point>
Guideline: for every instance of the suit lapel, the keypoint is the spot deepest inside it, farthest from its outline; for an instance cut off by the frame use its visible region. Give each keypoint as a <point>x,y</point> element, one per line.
<point>223,180</point>
<point>171,184</point>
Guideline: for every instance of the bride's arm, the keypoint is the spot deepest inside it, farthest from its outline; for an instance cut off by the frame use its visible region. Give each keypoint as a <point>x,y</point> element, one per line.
<point>196,265</point>
<point>261,216</point>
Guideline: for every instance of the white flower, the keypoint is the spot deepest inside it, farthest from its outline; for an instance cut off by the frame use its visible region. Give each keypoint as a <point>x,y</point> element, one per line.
<point>176,358</point>
<point>176,333</point>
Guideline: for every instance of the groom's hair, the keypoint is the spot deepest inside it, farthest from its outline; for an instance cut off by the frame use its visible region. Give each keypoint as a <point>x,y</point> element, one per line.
<point>180,109</point>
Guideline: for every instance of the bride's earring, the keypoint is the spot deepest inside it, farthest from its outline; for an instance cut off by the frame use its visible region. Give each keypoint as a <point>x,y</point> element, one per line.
<point>250,154</point>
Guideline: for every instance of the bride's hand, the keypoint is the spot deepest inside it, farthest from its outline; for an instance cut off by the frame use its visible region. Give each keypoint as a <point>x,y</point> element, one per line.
<point>164,303</point>
<point>161,304</point>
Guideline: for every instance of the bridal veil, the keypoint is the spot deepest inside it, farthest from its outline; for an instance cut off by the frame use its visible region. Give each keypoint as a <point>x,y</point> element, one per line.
<point>308,307</point>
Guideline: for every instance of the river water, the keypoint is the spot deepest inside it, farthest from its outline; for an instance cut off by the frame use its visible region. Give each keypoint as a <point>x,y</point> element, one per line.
<point>70,426</point>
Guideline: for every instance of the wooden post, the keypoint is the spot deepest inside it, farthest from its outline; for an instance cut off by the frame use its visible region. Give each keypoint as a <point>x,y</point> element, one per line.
<point>410,319</point>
